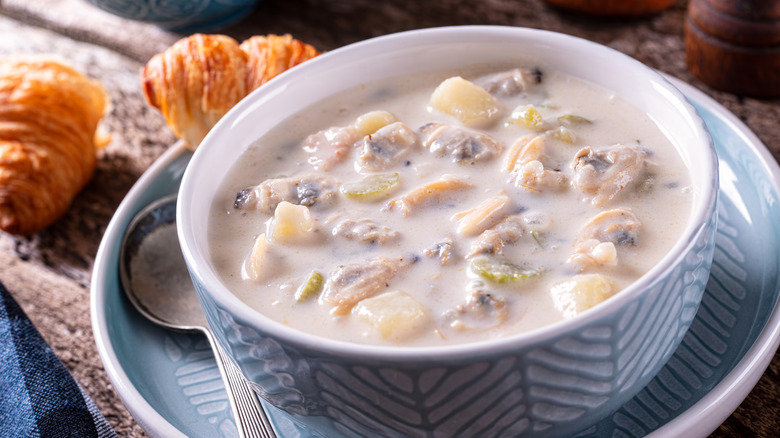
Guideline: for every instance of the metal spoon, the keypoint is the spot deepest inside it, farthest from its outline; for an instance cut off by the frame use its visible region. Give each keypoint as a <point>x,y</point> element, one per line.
<point>155,279</point>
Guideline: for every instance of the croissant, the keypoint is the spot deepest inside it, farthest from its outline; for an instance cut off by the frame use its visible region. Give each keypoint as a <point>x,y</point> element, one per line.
<point>199,78</point>
<point>49,117</point>
<point>270,55</point>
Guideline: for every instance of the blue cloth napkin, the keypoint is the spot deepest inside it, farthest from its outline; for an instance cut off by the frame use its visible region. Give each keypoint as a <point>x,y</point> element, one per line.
<point>38,395</point>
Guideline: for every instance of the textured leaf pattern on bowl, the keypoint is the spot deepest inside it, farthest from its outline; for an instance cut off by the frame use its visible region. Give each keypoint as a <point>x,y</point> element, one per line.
<point>698,359</point>
<point>528,393</point>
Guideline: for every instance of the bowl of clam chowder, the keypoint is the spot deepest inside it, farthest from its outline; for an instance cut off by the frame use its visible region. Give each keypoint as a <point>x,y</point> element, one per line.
<point>460,231</point>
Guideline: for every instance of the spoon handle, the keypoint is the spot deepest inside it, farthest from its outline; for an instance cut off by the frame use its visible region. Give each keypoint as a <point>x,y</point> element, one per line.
<point>250,417</point>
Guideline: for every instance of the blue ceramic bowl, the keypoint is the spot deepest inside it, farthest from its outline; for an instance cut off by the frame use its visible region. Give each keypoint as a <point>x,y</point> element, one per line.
<point>549,382</point>
<point>179,15</point>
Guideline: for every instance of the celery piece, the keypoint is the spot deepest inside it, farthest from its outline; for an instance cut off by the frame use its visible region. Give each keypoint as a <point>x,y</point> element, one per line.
<point>538,237</point>
<point>575,120</point>
<point>372,186</point>
<point>310,287</point>
<point>501,271</point>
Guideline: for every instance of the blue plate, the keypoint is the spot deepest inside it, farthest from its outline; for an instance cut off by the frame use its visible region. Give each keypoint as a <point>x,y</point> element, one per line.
<point>170,383</point>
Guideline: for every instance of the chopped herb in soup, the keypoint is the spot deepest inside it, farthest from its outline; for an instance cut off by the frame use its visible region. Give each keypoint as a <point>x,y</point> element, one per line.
<point>449,208</point>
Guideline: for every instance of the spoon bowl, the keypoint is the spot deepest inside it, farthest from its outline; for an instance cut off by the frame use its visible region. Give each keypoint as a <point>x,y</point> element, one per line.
<point>155,279</point>
<point>153,272</point>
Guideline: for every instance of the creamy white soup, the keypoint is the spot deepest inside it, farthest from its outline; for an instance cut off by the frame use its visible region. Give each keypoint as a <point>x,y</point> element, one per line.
<point>448,208</point>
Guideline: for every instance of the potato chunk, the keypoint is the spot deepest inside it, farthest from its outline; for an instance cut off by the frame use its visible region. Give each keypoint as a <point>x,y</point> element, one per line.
<point>464,100</point>
<point>291,223</point>
<point>580,293</point>
<point>394,314</point>
<point>528,117</point>
<point>371,121</point>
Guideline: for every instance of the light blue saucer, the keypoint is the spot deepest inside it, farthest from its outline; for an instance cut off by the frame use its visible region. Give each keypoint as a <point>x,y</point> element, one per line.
<point>170,383</point>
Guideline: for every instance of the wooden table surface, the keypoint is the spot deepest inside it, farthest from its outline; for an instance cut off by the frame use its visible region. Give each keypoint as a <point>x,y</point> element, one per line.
<point>49,273</point>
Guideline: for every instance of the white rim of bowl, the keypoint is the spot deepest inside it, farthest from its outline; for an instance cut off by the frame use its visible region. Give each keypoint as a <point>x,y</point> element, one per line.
<point>700,213</point>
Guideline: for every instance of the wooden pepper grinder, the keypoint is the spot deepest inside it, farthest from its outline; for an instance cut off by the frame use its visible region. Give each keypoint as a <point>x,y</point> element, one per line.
<point>612,8</point>
<point>734,45</point>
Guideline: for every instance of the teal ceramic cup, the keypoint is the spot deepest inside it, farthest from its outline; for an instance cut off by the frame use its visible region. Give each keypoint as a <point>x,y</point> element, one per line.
<point>182,15</point>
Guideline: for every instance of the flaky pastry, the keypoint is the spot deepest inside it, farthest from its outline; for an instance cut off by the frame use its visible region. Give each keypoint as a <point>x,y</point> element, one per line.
<point>199,78</point>
<point>49,117</point>
<point>267,56</point>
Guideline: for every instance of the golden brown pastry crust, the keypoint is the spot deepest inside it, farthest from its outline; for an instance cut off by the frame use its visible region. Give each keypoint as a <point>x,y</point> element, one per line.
<point>49,116</point>
<point>267,56</point>
<point>199,78</point>
<point>195,82</point>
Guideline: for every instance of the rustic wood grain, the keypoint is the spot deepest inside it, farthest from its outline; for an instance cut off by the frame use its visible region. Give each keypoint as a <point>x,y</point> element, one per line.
<point>49,273</point>
<point>734,45</point>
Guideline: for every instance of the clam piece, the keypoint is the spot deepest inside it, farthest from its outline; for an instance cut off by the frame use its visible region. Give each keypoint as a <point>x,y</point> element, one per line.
<point>357,281</point>
<point>524,150</point>
<point>511,82</point>
<point>525,162</point>
<point>442,250</point>
<point>619,226</point>
<point>605,173</point>
<point>386,147</point>
<point>255,265</point>
<point>483,309</point>
<point>448,187</point>
<point>308,190</point>
<point>331,146</point>
<point>462,145</point>
<point>365,231</point>
<point>591,253</point>
<point>493,240</point>
<point>533,177</point>
<point>597,241</point>
<point>476,220</point>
